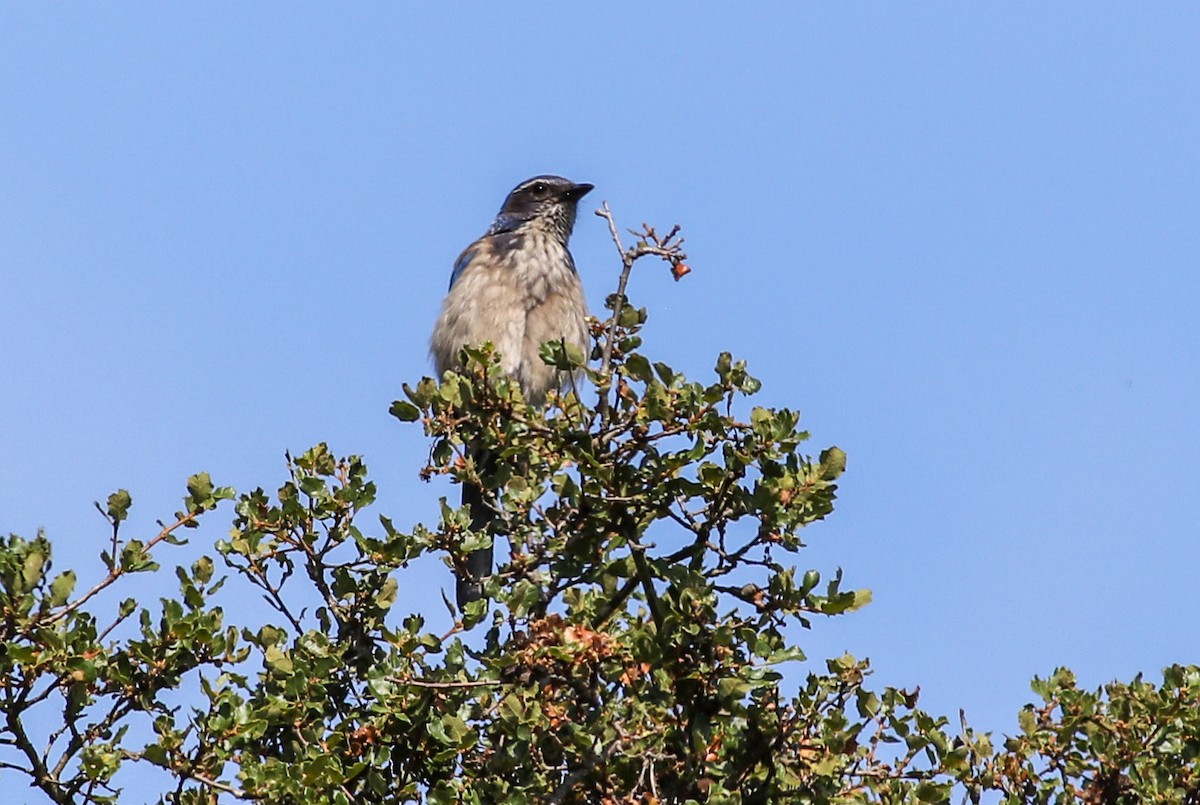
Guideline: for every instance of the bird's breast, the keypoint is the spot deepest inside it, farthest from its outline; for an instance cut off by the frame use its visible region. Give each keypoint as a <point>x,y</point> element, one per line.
<point>541,268</point>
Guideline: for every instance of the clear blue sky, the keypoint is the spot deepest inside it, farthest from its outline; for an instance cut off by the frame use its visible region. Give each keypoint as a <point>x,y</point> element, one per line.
<point>963,239</point>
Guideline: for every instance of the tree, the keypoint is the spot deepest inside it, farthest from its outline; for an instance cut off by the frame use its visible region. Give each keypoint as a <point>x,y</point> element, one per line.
<point>633,650</point>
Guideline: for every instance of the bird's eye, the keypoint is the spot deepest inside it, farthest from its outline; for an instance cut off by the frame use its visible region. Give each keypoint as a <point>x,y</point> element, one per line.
<point>539,188</point>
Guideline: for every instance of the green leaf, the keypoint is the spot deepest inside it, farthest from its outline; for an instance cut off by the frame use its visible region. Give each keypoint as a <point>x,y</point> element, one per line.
<point>32,569</point>
<point>405,411</point>
<point>202,569</point>
<point>827,766</point>
<point>449,729</point>
<point>451,390</point>
<point>561,355</point>
<point>423,394</point>
<point>278,661</point>
<point>932,792</point>
<point>833,463</point>
<point>118,505</point>
<point>61,588</point>
<point>724,365</point>
<point>732,687</point>
<point>200,486</point>
<point>269,636</point>
<point>1026,720</point>
<point>787,654</point>
<point>134,556</point>
<point>639,367</point>
<point>631,316</point>
<point>157,755</point>
<point>386,596</point>
<point>862,598</point>
<point>867,703</point>
<point>318,459</point>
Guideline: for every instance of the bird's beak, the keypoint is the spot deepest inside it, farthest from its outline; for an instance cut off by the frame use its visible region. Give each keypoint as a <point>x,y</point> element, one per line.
<point>577,191</point>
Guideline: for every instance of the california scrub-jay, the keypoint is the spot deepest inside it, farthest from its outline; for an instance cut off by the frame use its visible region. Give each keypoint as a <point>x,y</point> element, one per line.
<point>517,288</point>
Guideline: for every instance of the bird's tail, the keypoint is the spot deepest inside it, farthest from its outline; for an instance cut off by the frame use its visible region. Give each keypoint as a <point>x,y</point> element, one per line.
<point>478,564</point>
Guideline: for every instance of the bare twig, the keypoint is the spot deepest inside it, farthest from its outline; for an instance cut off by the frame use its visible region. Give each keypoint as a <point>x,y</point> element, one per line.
<point>112,576</point>
<point>218,785</point>
<point>423,683</point>
<point>649,243</point>
<point>626,268</point>
<point>42,777</point>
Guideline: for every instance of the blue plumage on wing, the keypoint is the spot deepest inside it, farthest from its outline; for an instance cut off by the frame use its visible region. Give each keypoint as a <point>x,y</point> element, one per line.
<point>505,223</point>
<point>461,264</point>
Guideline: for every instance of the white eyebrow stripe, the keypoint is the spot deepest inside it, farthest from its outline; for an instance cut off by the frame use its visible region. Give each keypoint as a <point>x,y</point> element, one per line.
<point>554,183</point>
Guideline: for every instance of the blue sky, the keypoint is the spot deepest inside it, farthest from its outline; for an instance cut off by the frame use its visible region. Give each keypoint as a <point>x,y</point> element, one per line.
<point>963,239</point>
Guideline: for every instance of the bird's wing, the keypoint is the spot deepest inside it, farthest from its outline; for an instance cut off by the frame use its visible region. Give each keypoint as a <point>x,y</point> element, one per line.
<point>462,262</point>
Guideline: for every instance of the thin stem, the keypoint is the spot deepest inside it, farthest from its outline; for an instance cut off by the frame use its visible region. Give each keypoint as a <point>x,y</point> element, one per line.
<point>42,777</point>
<point>218,785</point>
<point>422,683</point>
<point>647,578</point>
<point>626,268</point>
<point>112,576</point>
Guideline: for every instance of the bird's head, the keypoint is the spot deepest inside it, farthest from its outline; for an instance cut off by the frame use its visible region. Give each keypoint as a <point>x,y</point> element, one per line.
<point>543,201</point>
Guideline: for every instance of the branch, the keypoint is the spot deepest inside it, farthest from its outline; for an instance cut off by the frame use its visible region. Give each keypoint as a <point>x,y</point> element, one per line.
<point>569,782</point>
<point>649,243</point>
<point>423,683</point>
<point>187,774</point>
<point>218,785</point>
<point>42,778</point>
<point>617,601</point>
<point>108,580</point>
<point>626,268</point>
<point>647,579</point>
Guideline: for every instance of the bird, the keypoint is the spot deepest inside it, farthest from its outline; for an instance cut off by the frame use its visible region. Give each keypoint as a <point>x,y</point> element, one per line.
<point>517,288</point>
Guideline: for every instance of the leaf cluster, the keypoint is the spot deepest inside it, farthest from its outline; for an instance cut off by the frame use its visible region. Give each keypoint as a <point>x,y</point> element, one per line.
<point>58,657</point>
<point>638,642</point>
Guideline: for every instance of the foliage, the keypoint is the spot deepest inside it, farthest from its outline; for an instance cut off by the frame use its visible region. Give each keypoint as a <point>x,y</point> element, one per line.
<point>632,650</point>
<point>1126,743</point>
